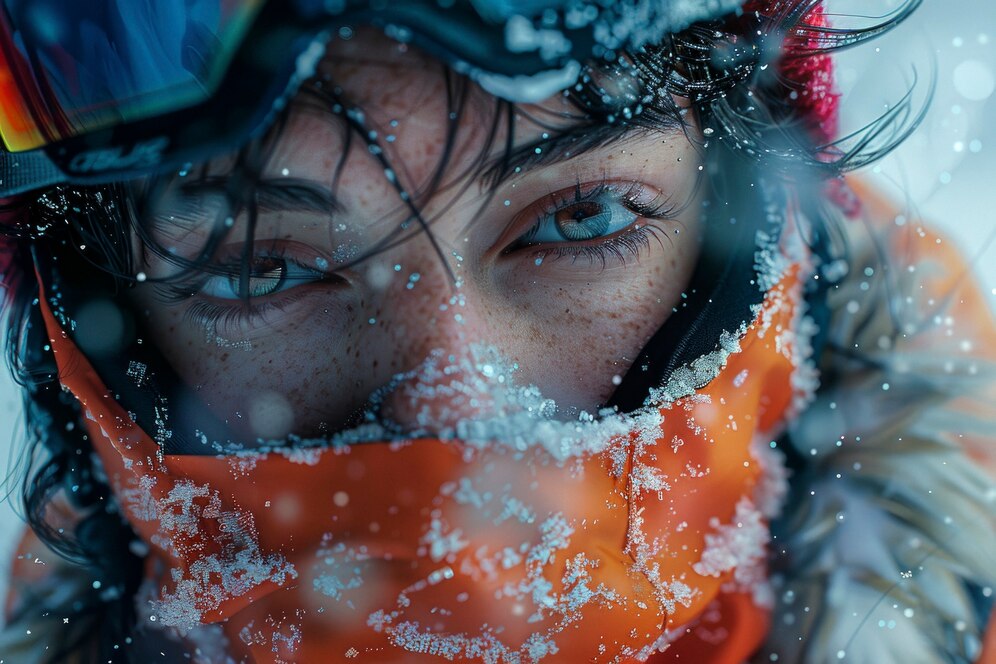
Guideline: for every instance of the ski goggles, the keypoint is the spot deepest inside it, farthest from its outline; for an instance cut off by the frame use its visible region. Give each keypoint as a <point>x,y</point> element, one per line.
<point>105,90</point>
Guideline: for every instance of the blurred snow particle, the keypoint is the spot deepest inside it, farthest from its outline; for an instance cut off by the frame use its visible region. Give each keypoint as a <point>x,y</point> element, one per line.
<point>740,378</point>
<point>380,275</point>
<point>974,80</point>
<point>100,327</point>
<point>270,416</point>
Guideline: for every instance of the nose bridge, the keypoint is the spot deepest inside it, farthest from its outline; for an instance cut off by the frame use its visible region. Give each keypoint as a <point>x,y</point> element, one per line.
<point>432,296</point>
<point>437,326</point>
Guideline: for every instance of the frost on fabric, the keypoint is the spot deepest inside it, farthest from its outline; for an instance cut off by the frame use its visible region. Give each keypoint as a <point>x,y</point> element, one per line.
<point>279,635</point>
<point>805,377</point>
<point>733,544</point>
<point>305,456</point>
<point>286,639</point>
<point>206,642</point>
<point>615,25</point>
<point>770,262</point>
<point>214,578</point>
<point>531,29</point>
<point>662,643</point>
<point>507,413</point>
<point>535,588</point>
<point>740,547</point>
<point>772,484</point>
<point>773,259</point>
<point>668,591</point>
<point>513,508</point>
<point>687,379</point>
<point>646,477</point>
<point>441,542</point>
<point>485,647</point>
<point>339,570</point>
<point>229,564</point>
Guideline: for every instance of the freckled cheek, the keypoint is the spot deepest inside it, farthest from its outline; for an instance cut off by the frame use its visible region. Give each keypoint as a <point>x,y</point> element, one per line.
<point>301,360</point>
<point>574,336</point>
<point>571,341</point>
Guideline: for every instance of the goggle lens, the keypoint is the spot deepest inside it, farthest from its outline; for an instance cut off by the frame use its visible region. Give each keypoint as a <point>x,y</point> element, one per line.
<point>70,67</point>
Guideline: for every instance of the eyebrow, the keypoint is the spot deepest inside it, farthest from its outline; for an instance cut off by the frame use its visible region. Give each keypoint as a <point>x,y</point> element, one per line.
<point>270,195</point>
<point>274,194</point>
<point>563,146</point>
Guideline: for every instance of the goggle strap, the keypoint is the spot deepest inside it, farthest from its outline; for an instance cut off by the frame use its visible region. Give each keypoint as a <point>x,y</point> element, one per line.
<point>27,171</point>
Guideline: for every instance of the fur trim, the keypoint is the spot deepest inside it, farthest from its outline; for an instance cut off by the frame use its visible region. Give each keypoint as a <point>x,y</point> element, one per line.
<point>886,551</point>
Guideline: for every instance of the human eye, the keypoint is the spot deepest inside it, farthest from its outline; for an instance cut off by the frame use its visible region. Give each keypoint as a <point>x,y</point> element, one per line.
<point>239,291</point>
<point>595,221</point>
<point>266,275</point>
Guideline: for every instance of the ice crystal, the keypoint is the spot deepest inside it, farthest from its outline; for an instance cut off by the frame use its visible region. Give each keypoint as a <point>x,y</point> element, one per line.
<point>537,587</point>
<point>231,567</point>
<point>770,262</point>
<point>740,547</point>
<point>214,578</point>
<point>772,484</point>
<point>515,509</point>
<point>441,541</point>
<point>339,569</point>
<point>689,378</point>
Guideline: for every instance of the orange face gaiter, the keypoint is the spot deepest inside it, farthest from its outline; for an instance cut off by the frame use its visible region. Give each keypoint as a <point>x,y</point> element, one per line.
<point>650,545</point>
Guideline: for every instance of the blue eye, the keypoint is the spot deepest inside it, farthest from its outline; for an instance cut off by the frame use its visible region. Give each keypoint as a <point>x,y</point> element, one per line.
<point>267,275</point>
<point>587,218</point>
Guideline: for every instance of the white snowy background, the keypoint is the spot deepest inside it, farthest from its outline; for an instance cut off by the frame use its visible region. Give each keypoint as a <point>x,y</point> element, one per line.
<point>945,173</point>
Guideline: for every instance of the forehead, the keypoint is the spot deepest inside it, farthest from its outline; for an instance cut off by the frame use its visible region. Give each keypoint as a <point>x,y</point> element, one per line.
<point>420,114</point>
<point>382,76</point>
<point>377,69</point>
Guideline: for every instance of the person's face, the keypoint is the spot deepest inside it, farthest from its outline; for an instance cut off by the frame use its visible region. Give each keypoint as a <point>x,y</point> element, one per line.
<point>557,278</point>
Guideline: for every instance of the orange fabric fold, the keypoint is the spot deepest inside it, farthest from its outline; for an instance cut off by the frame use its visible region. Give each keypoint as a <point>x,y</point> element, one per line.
<point>420,549</point>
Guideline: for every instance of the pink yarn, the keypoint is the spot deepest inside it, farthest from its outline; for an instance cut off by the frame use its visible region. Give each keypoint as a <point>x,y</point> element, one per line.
<point>811,80</point>
<point>814,93</point>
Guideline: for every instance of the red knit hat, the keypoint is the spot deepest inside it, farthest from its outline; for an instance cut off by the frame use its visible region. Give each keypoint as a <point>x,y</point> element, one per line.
<point>809,75</point>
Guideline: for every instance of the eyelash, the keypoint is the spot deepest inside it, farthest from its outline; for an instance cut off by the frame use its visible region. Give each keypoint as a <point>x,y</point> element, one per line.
<point>217,317</point>
<point>622,244</point>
